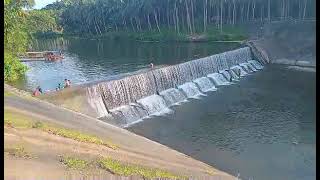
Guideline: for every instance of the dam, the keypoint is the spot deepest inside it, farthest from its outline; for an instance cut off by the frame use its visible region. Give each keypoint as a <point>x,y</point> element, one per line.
<point>133,98</point>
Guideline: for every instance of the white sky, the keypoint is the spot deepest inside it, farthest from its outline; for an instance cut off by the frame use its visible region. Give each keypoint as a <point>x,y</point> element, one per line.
<point>42,3</point>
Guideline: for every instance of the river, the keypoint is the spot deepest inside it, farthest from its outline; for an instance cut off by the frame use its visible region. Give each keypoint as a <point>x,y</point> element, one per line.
<point>94,60</point>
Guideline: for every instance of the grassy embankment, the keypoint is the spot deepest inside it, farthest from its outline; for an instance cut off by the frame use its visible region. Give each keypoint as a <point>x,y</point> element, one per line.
<point>119,168</point>
<point>20,122</point>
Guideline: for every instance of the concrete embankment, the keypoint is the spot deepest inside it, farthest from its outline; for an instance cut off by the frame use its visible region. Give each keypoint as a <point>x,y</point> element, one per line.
<point>290,43</point>
<point>143,150</point>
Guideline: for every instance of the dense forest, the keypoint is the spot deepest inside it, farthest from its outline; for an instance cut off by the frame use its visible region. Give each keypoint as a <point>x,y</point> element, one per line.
<point>181,16</point>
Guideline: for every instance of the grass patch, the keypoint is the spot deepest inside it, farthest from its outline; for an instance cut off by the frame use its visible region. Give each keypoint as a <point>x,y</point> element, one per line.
<point>18,151</point>
<point>122,169</point>
<point>7,93</point>
<point>74,163</point>
<point>72,134</point>
<point>16,120</point>
<point>210,172</point>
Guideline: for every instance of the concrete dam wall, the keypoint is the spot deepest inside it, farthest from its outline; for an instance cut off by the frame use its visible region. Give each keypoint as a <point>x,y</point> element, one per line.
<point>130,99</point>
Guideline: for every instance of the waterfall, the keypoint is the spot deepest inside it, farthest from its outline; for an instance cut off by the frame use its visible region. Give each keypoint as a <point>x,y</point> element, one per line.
<point>221,61</point>
<point>247,67</point>
<point>190,89</point>
<point>166,78</point>
<point>130,99</point>
<point>127,90</point>
<point>205,84</point>
<point>129,114</point>
<point>250,66</point>
<point>173,96</point>
<point>218,79</point>
<point>256,64</point>
<point>154,105</point>
<point>238,71</point>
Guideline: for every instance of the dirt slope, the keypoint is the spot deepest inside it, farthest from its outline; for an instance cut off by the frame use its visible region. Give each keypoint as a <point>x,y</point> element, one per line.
<point>132,148</point>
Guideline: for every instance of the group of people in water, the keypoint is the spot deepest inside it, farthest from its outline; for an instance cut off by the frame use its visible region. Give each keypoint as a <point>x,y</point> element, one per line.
<point>52,57</point>
<point>66,84</point>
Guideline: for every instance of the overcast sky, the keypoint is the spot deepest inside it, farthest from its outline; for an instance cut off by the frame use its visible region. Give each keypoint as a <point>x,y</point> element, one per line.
<point>42,3</point>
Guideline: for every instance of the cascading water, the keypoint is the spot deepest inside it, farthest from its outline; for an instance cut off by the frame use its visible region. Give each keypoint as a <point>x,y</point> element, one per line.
<point>154,105</point>
<point>127,90</point>
<point>133,98</point>
<point>129,113</point>
<point>229,75</point>
<point>205,84</point>
<point>238,71</point>
<point>190,89</point>
<point>246,67</point>
<point>251,67</point>
<point>256,64</point>
<point>218,79</point>
<point>173,96</point>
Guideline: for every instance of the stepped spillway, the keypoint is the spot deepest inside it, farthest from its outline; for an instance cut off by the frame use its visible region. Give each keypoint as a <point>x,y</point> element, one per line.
<point>130,99</point>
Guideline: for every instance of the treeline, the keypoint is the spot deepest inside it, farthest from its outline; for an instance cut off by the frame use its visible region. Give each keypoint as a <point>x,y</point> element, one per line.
<point>181,16</point>
<point>15,38</point>
<point>21,24</point>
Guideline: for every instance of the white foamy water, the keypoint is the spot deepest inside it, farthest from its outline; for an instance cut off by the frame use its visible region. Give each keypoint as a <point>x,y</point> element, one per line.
<point>205,84</point>
<point>173,96</point>
<point>218,79</point>
<point>190,89</point>
<point>249,67</point>
<point>236,69</point>
<point>129,113</point>
<point>256,64</point>
<point>155,105</point>
<point>246,68</point>
<point>228,74</point>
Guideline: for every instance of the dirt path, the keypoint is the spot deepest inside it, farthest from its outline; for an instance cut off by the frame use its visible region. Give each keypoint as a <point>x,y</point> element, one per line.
<point>132,148</point>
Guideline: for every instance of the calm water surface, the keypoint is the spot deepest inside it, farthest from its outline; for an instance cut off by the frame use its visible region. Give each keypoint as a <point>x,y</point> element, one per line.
<point>263,127</point>
<point>92,60</point>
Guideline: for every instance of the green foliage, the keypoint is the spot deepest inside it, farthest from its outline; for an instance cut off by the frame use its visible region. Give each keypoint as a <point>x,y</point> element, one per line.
<point>15,39</point>
<point>18,151</point>
<point>13,68</point>
<point>192,17</point>
<point>76,135</point>
<point>123,169</point>
<point>42,21</point>
<point>74,163</point>
<point>18,121</point>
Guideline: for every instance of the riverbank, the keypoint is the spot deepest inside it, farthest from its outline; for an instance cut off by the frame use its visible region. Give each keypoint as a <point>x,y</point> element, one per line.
<point>130,148</point>
<point>213,34</point>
